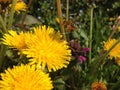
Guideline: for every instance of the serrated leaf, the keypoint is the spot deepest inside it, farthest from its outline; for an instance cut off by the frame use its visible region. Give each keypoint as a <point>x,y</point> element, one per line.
<point>83,34</point>
<point>75,34</point>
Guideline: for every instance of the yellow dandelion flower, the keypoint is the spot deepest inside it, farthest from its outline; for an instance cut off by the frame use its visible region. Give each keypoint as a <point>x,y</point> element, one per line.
<point>46,48</point>
<point>14,40</point>
<point>25,77</point>
<point>115,52</point>
<point>19,6</point>
<point>98,86</point>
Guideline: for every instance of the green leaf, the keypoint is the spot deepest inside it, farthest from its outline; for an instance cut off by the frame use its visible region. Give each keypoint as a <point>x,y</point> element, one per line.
<point>83,34</point>
<point>59,83</point>
<point>75,34</point>
<point>59,80</point>
<point>9,53</point>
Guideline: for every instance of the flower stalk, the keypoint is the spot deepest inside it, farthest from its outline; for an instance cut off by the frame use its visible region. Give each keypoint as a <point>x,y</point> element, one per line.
<point>115,27</point>
<point>60,18</point>
<point>23,19</point>
<point>67,10</point>
<point>91,30</point>
<point>3,24</point>
<point>11,14</point>
<point>2,52</point>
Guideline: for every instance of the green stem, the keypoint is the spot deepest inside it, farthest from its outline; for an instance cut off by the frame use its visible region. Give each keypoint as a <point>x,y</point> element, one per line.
<point>28,6</point>
<point>67,19</point>
<point>90,38</point>
<point>67,10</point>
<point>2,52</point>
<point>59,10</point>
<point>11,14</point>
<point>114,29</point>
<point>3,24</point>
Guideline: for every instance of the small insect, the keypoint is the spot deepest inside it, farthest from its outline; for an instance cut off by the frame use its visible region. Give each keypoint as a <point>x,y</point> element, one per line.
<point>69,25</point>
